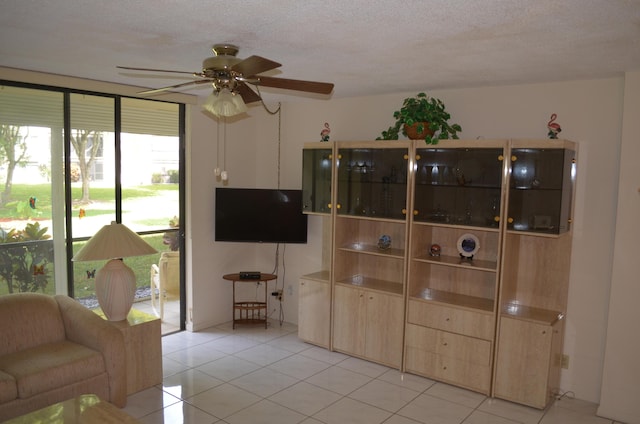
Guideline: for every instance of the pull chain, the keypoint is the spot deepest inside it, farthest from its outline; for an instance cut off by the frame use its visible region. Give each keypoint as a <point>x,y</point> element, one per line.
<point>224,174</point>
<point>217,171</point>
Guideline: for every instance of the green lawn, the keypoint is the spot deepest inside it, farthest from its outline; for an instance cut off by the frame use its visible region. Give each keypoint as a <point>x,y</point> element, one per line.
<point>21,193</point>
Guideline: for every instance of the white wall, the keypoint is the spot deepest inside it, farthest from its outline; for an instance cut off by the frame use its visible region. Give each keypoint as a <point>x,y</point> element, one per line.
<point>589,112</point>
<point>621,374</point>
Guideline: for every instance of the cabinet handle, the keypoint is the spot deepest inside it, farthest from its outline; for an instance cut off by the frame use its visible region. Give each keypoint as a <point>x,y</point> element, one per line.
<point>510,220</point>
<point>406,156</point>
<point>415,212</point>
<point>500,158</point>
<point>339,156</point>
<point>514,158</point>
<point>418,157</point>
<point>544,331</point>
<point>302,283</point>
<point>496,218</point>
<point>444,344</point>
<point>446,319</point>
<point>569,220</point>
<point>444,367</point>
<point>329,205</point>
<point>404,211</point>
<point>338,206</point>
<point>330,156</point>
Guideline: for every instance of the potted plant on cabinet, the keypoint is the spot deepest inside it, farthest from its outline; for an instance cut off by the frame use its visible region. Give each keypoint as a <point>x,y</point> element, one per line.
<point>422,117</point>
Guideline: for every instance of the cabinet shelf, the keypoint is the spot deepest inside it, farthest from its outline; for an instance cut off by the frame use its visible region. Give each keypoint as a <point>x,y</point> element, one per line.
<point>371,218</point>
<point>470,186</point>
<point>456,261</point>
<point>454,299</point>
<point>322,276</point>
<point>372,250</point>
<point>535,233</point>
<point>531,314</point>
<point>456,226</point>
<point>369,283</point>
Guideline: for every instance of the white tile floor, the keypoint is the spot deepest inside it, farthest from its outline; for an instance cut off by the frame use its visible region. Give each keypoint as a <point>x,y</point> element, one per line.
<point>253,375</point>
<point>171,319</point>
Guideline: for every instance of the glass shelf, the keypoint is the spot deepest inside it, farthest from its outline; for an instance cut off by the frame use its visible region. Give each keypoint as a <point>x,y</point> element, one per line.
<point>541,181</point>
<point>459,186</point>
<point>372,182</point>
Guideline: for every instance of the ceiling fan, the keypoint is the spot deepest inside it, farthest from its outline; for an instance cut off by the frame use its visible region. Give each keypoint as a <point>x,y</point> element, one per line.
<point>230,76</point>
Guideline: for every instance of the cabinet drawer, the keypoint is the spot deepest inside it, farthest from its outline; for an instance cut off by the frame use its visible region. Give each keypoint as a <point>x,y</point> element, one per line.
<point>454,320</point>
<point>450,345</point>
<point>440,367</point>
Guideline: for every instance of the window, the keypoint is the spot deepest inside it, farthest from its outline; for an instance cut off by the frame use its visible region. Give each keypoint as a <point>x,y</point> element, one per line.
<point>124,158</point>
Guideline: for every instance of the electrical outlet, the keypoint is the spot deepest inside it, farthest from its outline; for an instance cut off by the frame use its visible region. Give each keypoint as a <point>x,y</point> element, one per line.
<point>565,362</point>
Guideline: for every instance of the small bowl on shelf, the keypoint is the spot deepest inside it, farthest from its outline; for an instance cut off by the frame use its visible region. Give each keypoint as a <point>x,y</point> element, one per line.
<point>384,242</point>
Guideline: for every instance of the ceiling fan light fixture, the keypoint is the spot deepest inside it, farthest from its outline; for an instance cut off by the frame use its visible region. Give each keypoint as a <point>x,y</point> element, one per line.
<point>224,103</point>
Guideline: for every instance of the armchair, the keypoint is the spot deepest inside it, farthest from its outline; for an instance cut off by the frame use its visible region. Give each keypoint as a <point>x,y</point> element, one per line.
<point>165,281</point>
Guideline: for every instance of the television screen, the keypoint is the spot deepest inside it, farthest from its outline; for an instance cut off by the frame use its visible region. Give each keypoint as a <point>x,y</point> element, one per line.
<point>260,215</point>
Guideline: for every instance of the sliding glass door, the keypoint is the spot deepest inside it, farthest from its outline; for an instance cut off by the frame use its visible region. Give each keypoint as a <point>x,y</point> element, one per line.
<point>32,206</point>
<point>124,161</point>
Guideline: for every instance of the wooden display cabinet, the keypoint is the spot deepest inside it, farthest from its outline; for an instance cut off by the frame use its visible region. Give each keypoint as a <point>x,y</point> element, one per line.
<point>314,293</point>
<point>451,297</point>
<point>535,271</point>
<point>369,260</point>
<point>314,309</point>
<point>493,322</point>
<point>368,324</point>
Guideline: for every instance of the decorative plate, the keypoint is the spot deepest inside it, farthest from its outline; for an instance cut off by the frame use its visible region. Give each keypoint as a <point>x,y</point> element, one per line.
<point>468,245</point>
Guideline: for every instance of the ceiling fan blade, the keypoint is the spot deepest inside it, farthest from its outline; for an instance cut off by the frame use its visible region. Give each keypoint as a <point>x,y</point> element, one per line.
<point>171,87</point>
<point>254,65</point>
<point>298,85</point>
<point>247,94</point>
<point>195,74</point>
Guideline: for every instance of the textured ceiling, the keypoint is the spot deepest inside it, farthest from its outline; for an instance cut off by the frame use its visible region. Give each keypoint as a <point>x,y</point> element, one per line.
<point>365,47</point>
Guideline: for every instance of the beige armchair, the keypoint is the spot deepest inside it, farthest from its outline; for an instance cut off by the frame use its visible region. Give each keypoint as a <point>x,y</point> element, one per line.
<point>51,349</point>
<point>165,281</point>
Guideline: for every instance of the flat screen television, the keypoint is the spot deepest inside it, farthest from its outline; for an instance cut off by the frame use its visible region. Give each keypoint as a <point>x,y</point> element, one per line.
<point>260,215</point>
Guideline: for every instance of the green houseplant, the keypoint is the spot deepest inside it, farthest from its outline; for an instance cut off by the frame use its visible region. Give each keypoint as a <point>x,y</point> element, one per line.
<point>427,116</point>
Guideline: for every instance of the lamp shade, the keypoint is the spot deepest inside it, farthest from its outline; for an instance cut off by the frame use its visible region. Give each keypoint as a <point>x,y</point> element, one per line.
<point>225,103</point>
<point>114,241</point>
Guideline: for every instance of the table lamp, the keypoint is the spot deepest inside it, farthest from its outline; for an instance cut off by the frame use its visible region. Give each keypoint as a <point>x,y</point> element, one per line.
<point>115,281</point>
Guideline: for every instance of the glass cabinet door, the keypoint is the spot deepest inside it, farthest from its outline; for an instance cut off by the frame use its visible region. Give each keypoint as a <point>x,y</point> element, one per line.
<point>372,182</point>
<point>540,190</point>
<point>460,186</point>
<point>316,180</point>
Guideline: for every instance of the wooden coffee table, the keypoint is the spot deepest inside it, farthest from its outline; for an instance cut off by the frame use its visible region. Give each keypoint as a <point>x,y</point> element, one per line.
<point>85,409</point>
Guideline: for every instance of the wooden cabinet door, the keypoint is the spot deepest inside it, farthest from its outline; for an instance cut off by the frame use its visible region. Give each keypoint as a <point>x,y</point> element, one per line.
<point>383,337</point>
<point>522,363</point>
<point>314,305</point>
<point>349,320</point>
